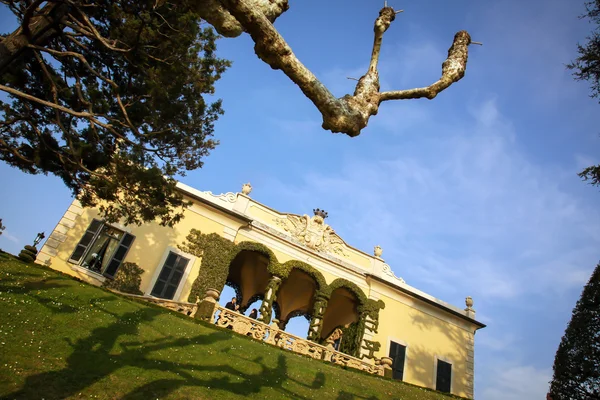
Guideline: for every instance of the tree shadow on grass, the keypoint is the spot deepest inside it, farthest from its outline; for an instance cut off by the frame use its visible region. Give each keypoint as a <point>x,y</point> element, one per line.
<point>97,357</point>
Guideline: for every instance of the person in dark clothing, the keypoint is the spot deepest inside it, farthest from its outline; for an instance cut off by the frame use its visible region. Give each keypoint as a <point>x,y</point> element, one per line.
<point>232,305</point>
<point>253,313</point>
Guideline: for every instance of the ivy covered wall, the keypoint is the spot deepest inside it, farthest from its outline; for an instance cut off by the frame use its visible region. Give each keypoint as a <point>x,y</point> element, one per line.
<point>217,254</point>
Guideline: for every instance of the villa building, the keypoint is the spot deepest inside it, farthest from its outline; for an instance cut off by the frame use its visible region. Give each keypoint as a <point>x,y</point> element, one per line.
<point>295,265</point>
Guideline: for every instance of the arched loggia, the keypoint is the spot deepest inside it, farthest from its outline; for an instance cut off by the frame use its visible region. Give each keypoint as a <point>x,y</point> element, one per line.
<point>344,310</point>
<point>298,292</point>
<point>342,304</point>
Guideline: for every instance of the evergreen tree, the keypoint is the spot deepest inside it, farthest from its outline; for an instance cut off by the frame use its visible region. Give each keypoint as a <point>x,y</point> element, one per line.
<point>577,361</point>
<point>109,95</point>
<point>587,67</point>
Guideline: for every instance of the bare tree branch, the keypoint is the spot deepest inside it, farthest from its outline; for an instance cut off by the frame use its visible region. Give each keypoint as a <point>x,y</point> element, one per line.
<point>351,113</point>
<point>227,25</point>
<point>453,69</point>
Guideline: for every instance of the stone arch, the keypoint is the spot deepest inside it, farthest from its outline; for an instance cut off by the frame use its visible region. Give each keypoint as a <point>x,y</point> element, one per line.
<point>273,264</point>
<point>298,291</point>
<point>351,286</point>
<point>344,310</point>
<point>248,275</point>
<point>290,265</point>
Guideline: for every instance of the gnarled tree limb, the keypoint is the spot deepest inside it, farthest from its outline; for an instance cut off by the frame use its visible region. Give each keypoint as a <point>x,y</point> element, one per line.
<point>227,25</point>
<point>351,113</point>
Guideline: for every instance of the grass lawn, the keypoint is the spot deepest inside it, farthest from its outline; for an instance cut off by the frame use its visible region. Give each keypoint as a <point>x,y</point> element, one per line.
<point>61,338</point>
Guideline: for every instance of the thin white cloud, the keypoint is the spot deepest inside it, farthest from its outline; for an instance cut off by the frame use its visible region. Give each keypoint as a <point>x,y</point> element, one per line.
<point>520,382</point>
<point>471,209</point>
<point>9,236</point>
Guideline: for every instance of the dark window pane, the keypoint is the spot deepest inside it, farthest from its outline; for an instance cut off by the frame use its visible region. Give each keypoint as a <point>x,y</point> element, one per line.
<point>87,238</point>
<point>169,292</point>
<point>398,354</point>
<point>158,288</point>
<point>79,250</point>
<point>85,241</point>
<point>119,255</point>
<point>444,376</point>
<point>170,276</point>
<point>127,240</point>
<point>171,259</point>
<point>165,273</point>
<point>95,225</point>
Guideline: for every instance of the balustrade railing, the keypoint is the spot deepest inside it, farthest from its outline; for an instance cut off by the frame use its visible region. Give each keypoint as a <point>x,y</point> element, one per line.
<point>188,309</point>
<point>271,334</point>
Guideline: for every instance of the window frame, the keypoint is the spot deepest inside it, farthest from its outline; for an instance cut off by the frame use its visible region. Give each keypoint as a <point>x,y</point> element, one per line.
<point>159,267</point>
<point>78,263</point>
<point>438,358</point>
<point>402,343</point>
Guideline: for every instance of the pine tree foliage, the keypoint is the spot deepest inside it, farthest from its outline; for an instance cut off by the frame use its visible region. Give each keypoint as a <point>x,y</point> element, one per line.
<point>112,97</point>
<point>587,67</point>
<point>577,361</point>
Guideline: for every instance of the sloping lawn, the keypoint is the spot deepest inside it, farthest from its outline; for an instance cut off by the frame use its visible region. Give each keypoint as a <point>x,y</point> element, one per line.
<point>61,338</point>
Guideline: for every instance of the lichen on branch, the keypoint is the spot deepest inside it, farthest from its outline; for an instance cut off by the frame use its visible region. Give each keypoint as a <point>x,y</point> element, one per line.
<point>350,113</point>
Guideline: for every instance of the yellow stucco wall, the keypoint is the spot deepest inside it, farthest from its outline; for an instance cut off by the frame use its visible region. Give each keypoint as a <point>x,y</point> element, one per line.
<point>428,334</point>
<point>150,245</point>
<point>427,331</point>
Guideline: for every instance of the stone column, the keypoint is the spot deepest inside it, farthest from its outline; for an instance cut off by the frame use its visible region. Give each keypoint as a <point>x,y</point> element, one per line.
<point>316,323</point>
<point>270,296</point>
<point>205,308</point>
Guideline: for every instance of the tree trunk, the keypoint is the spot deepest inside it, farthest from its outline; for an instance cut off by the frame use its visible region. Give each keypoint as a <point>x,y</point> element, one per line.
<point>40,28</point>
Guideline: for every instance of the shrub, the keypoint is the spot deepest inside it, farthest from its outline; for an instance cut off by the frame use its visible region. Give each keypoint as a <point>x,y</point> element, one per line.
<point>26,256</point>
<point>127,280</point>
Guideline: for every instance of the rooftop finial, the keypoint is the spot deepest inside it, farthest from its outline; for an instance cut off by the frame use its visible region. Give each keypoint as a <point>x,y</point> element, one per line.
<point>246,188</point>
<point>321,213</point>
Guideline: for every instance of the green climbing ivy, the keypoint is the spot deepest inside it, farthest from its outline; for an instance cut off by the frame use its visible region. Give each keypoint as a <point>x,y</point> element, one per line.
<point>322,287</point>
<point>218,253</point>
<point>352,338</point>
<point>352,287</point>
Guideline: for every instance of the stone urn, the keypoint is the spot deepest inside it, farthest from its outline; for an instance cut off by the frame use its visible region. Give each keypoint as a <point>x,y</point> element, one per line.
<point>378,251</point>
<point>386,362</point>
<point>212,295</point>
<point>246,188</point>
<point>469,303</point>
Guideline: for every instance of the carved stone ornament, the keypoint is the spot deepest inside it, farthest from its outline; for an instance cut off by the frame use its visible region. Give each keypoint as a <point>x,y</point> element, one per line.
<point>246,188</point>
<point>228,197</point>
<point>388,271</point>
<point>378,251</point>
<point>469,303</point>
<point>313,233</point>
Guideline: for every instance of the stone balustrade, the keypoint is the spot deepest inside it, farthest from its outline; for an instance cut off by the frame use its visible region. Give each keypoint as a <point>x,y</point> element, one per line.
<point>271,334</point>
<point>188,309</point>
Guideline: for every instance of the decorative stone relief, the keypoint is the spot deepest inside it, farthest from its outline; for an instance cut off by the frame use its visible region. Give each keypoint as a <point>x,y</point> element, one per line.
<point>388,271</point>
<point>313,232</point>
<point>226,197</point>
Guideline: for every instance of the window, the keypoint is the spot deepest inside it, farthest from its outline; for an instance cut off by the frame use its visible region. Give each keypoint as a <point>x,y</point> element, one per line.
<point>170,276</point>
<point>102,248</point>
<point>398,354</point>
<point>444,376</point>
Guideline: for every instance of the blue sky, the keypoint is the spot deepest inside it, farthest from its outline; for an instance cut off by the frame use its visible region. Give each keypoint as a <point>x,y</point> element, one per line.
<point>472,193</point>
